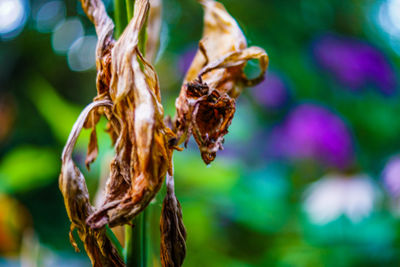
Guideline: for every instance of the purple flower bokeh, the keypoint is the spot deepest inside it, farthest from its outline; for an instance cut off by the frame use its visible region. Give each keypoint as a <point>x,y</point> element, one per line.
<point>354,63</point>
<point>313,132</point>
<point>186,58</point>
<point>391,176</point>
<point>272,93</point>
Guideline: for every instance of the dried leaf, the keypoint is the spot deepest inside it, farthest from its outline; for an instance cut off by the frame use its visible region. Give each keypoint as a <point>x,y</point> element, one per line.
<point>153,30</point>
<point>104,26</point>
<point>91,122</point>
<point>96,12</point>
<point>173,232</point>
<point>215,79</point>
<point>93,149</point>
<point>76,198</point>
<point>142,152</point>
<point>128,89</point>
<point>127,82</point>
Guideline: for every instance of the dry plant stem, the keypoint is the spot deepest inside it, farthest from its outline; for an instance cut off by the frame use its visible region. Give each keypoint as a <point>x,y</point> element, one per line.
<point>153,29</point>
<point>135,234</point>
<point>128,94</point>
<point>141,158</point>
<point>173,232</point>
<point>135,252</point>
<point>119,15</point>
<point>207,101</point>
<point>128,83</point>
<point>72,184</point>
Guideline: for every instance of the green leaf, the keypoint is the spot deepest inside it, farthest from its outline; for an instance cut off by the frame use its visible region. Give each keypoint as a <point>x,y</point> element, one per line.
<point>27,167</point>
<point>58,113</point>
<point>220,176</point>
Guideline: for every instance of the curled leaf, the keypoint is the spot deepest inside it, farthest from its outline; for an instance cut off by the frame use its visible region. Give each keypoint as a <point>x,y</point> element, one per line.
<point>173,232</point>
<point>96,12</point>
<point>93,148</point>
<point>153,29</point>
<point>216,77</point>
<point>142,155</point>
<point>128,94</point>
<point>76,198</point>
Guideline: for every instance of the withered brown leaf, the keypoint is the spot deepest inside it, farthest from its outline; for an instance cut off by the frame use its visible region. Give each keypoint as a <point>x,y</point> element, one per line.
<point>76,198</point>
<point>153,30</point>
<point>128,94</point>
<point>142,152</point>
<point>207,101</point>
<point>104,26</point>
<point>173,232</point>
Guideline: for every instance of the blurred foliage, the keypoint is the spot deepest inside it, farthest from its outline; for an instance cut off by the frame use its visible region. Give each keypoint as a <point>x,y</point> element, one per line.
<point>39,165</point>
<point>248,208</point>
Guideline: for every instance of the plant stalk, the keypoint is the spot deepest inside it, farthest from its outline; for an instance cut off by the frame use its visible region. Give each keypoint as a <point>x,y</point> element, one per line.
<point>135,254</point>
<point>119,17</point>
<point>129,9</point>
<point>135,247</point>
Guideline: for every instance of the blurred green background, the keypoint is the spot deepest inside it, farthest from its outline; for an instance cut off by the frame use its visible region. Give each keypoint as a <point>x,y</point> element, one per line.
<point>310,174</point>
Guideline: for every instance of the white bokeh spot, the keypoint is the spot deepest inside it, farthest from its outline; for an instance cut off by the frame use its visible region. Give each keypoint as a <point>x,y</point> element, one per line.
<point>12,17</point>
<point>334,195</point>
<point>82,54</point>
<point>65,34</point>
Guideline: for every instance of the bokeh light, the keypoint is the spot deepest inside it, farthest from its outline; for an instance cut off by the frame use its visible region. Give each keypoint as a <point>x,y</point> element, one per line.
<point>354,63</point>
<point>335,195</point>
<point>12,17</point>
<point>273,92</point>
<point>391,176</point>
<point>389,17</point>
<point>66,33</point>
<point>313,132</point>
<point>49,14</point>
<point>81,55</point>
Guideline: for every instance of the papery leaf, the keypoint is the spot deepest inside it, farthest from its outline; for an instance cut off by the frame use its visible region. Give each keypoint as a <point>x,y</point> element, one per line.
<point>93,149</point>
<point>239,58</point>
<point>142,152</point>
<point>207,100</point>
<point>104,26</point>
<point>76,198</point>
<point>153,29</point>
<point>221,35</point>
<point>173,232</point>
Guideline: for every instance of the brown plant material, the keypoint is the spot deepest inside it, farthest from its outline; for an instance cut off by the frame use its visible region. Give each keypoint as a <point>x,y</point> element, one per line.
<point>142,152</point>
<point>153,30</point>
<point>104,26</point>
<point>173,232</point>
<point>206,103</point>
<point>128,95</point>
<point>7,115</point>
<point>76,198</point>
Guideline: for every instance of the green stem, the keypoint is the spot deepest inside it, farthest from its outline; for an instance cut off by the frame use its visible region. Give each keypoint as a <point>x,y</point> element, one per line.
<point>129,9</point>
<point>135,252</point>
<point>114,240</point>
<point>143,37</point>
<point>119,17</point>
